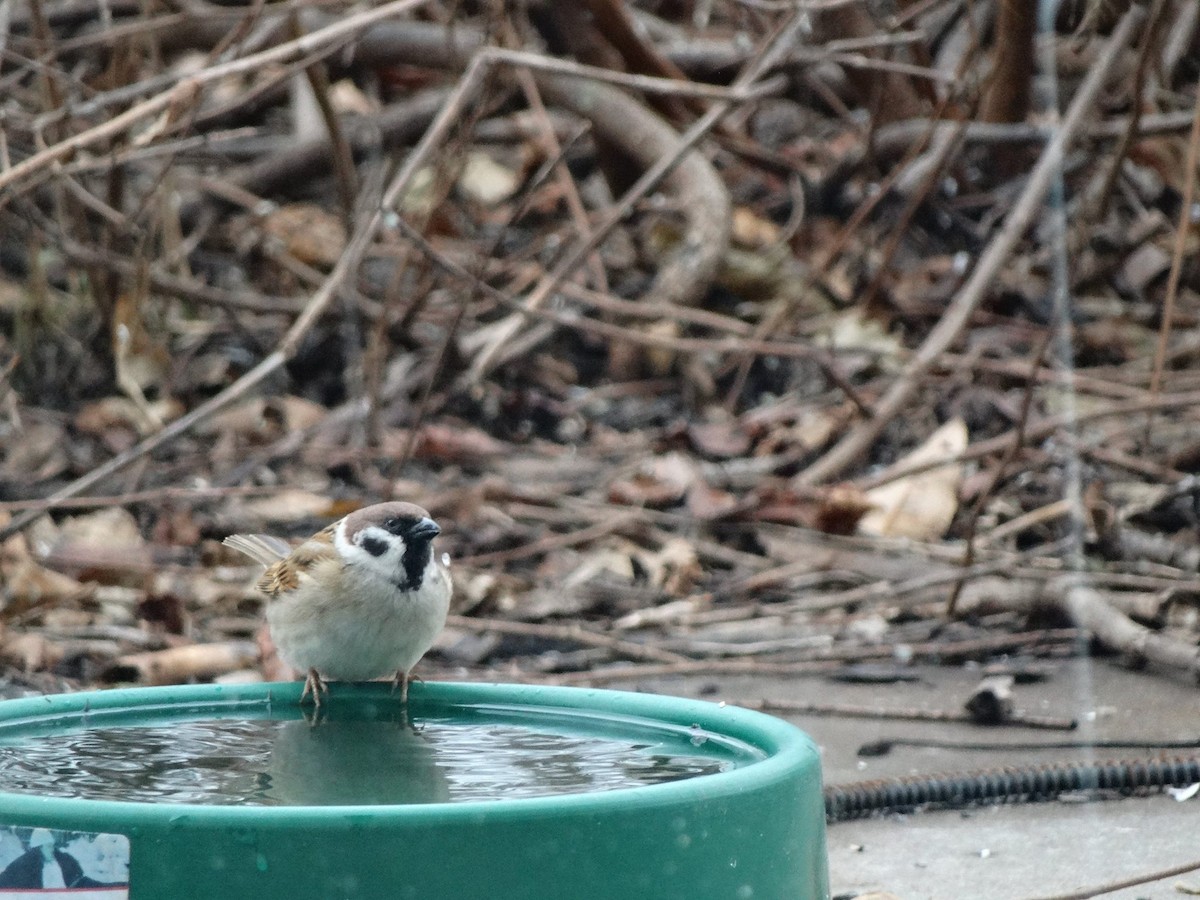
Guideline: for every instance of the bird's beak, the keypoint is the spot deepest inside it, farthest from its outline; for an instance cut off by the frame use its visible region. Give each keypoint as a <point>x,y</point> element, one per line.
<point>426,528</point>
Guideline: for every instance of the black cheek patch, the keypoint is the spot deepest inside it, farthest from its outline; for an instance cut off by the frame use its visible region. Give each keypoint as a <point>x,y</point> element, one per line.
<point>374,546</point>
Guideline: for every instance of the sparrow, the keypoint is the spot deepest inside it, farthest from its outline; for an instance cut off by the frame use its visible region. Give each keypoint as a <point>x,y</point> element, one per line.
<point>360,599</point>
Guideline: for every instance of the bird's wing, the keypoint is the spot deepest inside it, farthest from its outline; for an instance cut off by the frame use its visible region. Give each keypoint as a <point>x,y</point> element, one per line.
<point>285,574</point>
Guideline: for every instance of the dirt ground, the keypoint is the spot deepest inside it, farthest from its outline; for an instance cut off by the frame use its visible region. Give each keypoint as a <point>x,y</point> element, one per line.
<point>1012,852</point>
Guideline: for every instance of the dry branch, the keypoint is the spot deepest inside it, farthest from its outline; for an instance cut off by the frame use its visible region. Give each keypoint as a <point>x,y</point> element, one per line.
<point>575,634</point>
<point>1093,611</point>
<point>178,665</point>
<point>289,344</point>
<point>487,355</point>
<point>847,450</point>
<point>184,92</point>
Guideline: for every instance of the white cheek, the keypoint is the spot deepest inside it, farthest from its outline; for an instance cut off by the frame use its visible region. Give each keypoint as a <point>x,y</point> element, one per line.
<point>387,564</point>
<point>341,543</point>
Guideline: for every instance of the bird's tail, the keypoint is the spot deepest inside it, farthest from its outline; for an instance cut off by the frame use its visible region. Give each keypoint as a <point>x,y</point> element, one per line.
<point>259,547</point>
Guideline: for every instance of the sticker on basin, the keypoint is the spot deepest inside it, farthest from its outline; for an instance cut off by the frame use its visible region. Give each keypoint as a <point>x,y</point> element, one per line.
<point>41,863</point>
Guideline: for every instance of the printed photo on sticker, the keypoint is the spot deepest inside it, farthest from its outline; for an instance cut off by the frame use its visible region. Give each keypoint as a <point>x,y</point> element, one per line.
<point>41,863</point>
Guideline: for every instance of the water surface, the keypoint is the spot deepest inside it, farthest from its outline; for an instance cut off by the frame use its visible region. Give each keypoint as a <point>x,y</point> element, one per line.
<point>347,758</point>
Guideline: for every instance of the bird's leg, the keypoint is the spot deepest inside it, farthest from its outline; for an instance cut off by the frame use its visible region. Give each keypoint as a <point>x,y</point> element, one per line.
<point>314,685</point>
<point>401,681</point>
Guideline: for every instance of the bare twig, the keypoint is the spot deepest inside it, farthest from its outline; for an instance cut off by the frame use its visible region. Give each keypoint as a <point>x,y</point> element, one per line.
<point>343,160</point>
<point>1150,43</point>
<point>289,343</point>
<point>722,345</point>
<point>1041,429</point>
<point>552,542</point>
<point>828,660</point>
<point>855,711</point>
<point>739,92</point>
<point>576,634</point>
<point>846,451</point>
<point>1186,211</point>
<point>157,495</point>
<point>998,473</point>
<point>1113,886</point>
<point>183,92</point>
<point>1089,610</point>
<point>489,354</point>
<point>562,175</point>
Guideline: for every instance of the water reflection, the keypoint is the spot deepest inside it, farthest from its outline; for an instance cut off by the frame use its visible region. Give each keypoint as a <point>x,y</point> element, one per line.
<point>352,762</point>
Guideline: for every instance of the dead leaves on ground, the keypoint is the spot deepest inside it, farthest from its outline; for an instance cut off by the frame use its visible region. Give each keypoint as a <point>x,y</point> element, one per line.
<point>91,598</point>
<point>61,589</point>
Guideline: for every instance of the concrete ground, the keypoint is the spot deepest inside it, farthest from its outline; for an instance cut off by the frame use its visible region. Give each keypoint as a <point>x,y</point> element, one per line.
<point>1002,852</point>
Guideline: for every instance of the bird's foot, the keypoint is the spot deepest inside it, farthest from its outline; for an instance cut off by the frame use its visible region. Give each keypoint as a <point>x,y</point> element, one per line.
<point>403,680</point>
<point>314,686</point>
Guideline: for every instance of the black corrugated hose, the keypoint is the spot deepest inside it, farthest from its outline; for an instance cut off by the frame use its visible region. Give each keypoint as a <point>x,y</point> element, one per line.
<point>1009,784</point>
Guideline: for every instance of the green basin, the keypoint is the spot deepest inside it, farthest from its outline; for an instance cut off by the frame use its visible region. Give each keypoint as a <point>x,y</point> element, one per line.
<point>753,831</point>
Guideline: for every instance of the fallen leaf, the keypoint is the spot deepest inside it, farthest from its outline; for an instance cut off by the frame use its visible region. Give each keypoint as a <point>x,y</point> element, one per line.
<point>658,360</point>
<point>486,181</point>
<point>1145,265</point>
<point>923,505</point>
<point>615,561</point>
<point>101,417</point>
<point>707,502</point>
<point>791,428</point>
<point>260,420</point>
<point>34,452</point>
<point>660,481</point>
<point>295,413</point>
<point>448,443</point>
<point>751,230</point>
<point>307,232</point>
<point>834,510</point>
<point>841,508</point>
<point>140,359</point>
<point>851,331</point>
<point>347,97</point>
<point>30,652</point>
<point>674,567</point>
<point>112,527</point>
<point>719,440</point>
<point>177,526</point>
<point>164,611</point>
<point>26,582</point>
<point>289,505</point>
<point>104,546</point>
